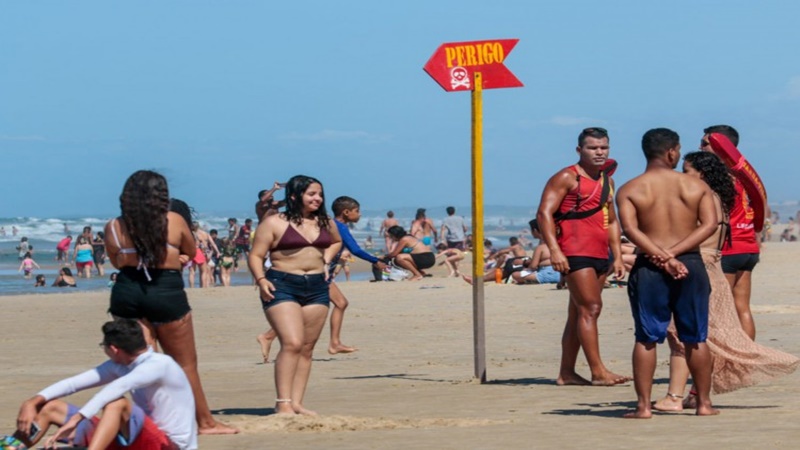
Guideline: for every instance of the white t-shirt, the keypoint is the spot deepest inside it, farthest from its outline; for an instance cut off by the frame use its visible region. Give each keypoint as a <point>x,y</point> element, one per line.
<point>156,383</point>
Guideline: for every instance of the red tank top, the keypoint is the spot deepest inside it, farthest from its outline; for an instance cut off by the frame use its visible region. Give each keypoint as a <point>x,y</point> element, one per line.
<point>743,233</point>
<point>585,237</point>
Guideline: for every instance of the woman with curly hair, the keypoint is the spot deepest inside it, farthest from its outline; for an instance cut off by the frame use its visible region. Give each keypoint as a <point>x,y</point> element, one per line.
<point>301,241</point>
<point>738,361</point>
<point>146,243</point>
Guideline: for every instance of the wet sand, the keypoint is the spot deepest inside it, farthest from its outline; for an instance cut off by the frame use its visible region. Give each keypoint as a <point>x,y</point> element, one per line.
<point>411,383</point>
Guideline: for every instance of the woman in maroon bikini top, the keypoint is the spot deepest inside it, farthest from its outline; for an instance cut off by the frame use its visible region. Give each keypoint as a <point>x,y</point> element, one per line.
<point>294,292</point>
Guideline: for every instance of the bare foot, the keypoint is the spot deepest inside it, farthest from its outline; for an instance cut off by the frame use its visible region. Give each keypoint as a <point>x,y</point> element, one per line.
<point>218,428</point>
<point>704,410</point>
<point>639,414</point>
<point>299,409</point>
<point>572,379</point>
<point>467,278</point>
<point>669,403</point>
<point>341,348</point>
<point>415,278</point>
<point>610,379</point>
<point>266,343</point>
<point>690,402</point>
<point>284,407</point>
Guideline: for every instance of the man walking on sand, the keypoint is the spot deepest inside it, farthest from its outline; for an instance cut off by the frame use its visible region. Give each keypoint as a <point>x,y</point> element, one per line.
<point>667,215</point>
<point>578,223</point>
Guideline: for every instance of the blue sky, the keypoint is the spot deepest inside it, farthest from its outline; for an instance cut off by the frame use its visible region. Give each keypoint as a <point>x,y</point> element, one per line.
<point>226,97</point>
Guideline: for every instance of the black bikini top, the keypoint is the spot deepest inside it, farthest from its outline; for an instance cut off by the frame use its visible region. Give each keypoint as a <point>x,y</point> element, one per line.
<point>292,239</point>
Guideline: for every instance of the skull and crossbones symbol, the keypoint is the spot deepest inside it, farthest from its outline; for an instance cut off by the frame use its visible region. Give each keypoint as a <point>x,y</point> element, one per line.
<point>459,77</point>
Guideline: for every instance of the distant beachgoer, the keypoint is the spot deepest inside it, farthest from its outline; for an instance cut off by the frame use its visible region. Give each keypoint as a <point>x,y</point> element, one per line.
<point>410,253</point>
<point>62,250</point>
<point>3,231</point>
<point>112,279</point>
<point>65,278</point>
<point>233,228</point>
<point>229,253</point>
<point>66,229</point>
<point>454,229</point>
<point>539,269</point>
<point>86,234</point>
<point>422,228</point>
<point>387,223</point>
<point>214,258</point>
<point>23,247</point>
<point>200,261</point>
<point>82,257</point>
<point>41,281</point>
<point>146,243</point>
<point>14,230</point>
<point>667,215</point>
<point>27,265</point>
<point>267,205</point>
<point>99,252</point>
<point>343,265</point>
<point>579,224</point>
<point>368,244</point>
<point>243,238</point>
<point>451,257</point>
<point>294,293</point>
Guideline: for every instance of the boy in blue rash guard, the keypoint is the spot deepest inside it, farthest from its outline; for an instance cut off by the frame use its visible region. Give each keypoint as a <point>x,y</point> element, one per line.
<point>346,210</point>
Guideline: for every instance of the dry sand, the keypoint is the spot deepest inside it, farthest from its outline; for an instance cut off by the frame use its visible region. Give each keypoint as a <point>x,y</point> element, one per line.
<point>411,384</point>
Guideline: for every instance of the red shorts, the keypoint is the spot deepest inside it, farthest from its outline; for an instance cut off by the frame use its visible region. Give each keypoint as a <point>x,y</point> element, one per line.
<point>150,438</point>
<point>81,265</point>
<point>147,435</point>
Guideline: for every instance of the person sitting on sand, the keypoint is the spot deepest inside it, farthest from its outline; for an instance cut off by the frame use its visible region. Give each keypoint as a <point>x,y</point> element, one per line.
<point>159,414</point>
<point>451,257</point>
<point>65,278</point>
<point>410,252</point>
<point>539,269</point>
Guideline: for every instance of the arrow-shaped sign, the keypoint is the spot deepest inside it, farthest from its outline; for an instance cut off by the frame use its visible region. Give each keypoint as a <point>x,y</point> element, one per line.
<point>453,65</point>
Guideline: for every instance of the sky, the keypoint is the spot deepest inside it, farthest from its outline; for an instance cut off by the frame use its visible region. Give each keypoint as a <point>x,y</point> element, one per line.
<point>224,98</point>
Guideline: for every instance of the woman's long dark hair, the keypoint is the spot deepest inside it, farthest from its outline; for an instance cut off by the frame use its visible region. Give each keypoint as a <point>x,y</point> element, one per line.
<point>144,203</point>
<point>716,175</point>
<point>295,188</point>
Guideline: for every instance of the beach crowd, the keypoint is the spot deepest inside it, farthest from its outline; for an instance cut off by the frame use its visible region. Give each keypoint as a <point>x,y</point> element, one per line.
<point>685,243</point>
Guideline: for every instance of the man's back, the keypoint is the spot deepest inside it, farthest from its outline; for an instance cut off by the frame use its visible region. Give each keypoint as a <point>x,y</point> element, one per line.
<point>667,204</point>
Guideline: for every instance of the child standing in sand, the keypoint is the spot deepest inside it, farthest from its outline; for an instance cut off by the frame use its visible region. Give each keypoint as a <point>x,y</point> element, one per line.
<point>27,265</point>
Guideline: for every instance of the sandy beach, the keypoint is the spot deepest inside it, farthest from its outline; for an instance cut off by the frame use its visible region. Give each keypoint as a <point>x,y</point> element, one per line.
<point>411,383</point>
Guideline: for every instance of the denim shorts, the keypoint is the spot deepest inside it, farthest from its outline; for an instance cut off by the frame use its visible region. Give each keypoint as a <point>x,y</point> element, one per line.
<point>302,289</point>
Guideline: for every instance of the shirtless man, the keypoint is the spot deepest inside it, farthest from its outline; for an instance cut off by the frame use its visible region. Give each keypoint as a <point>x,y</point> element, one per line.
<point>667,214</point>
<point>387,223</point>
<point>579,243</point>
